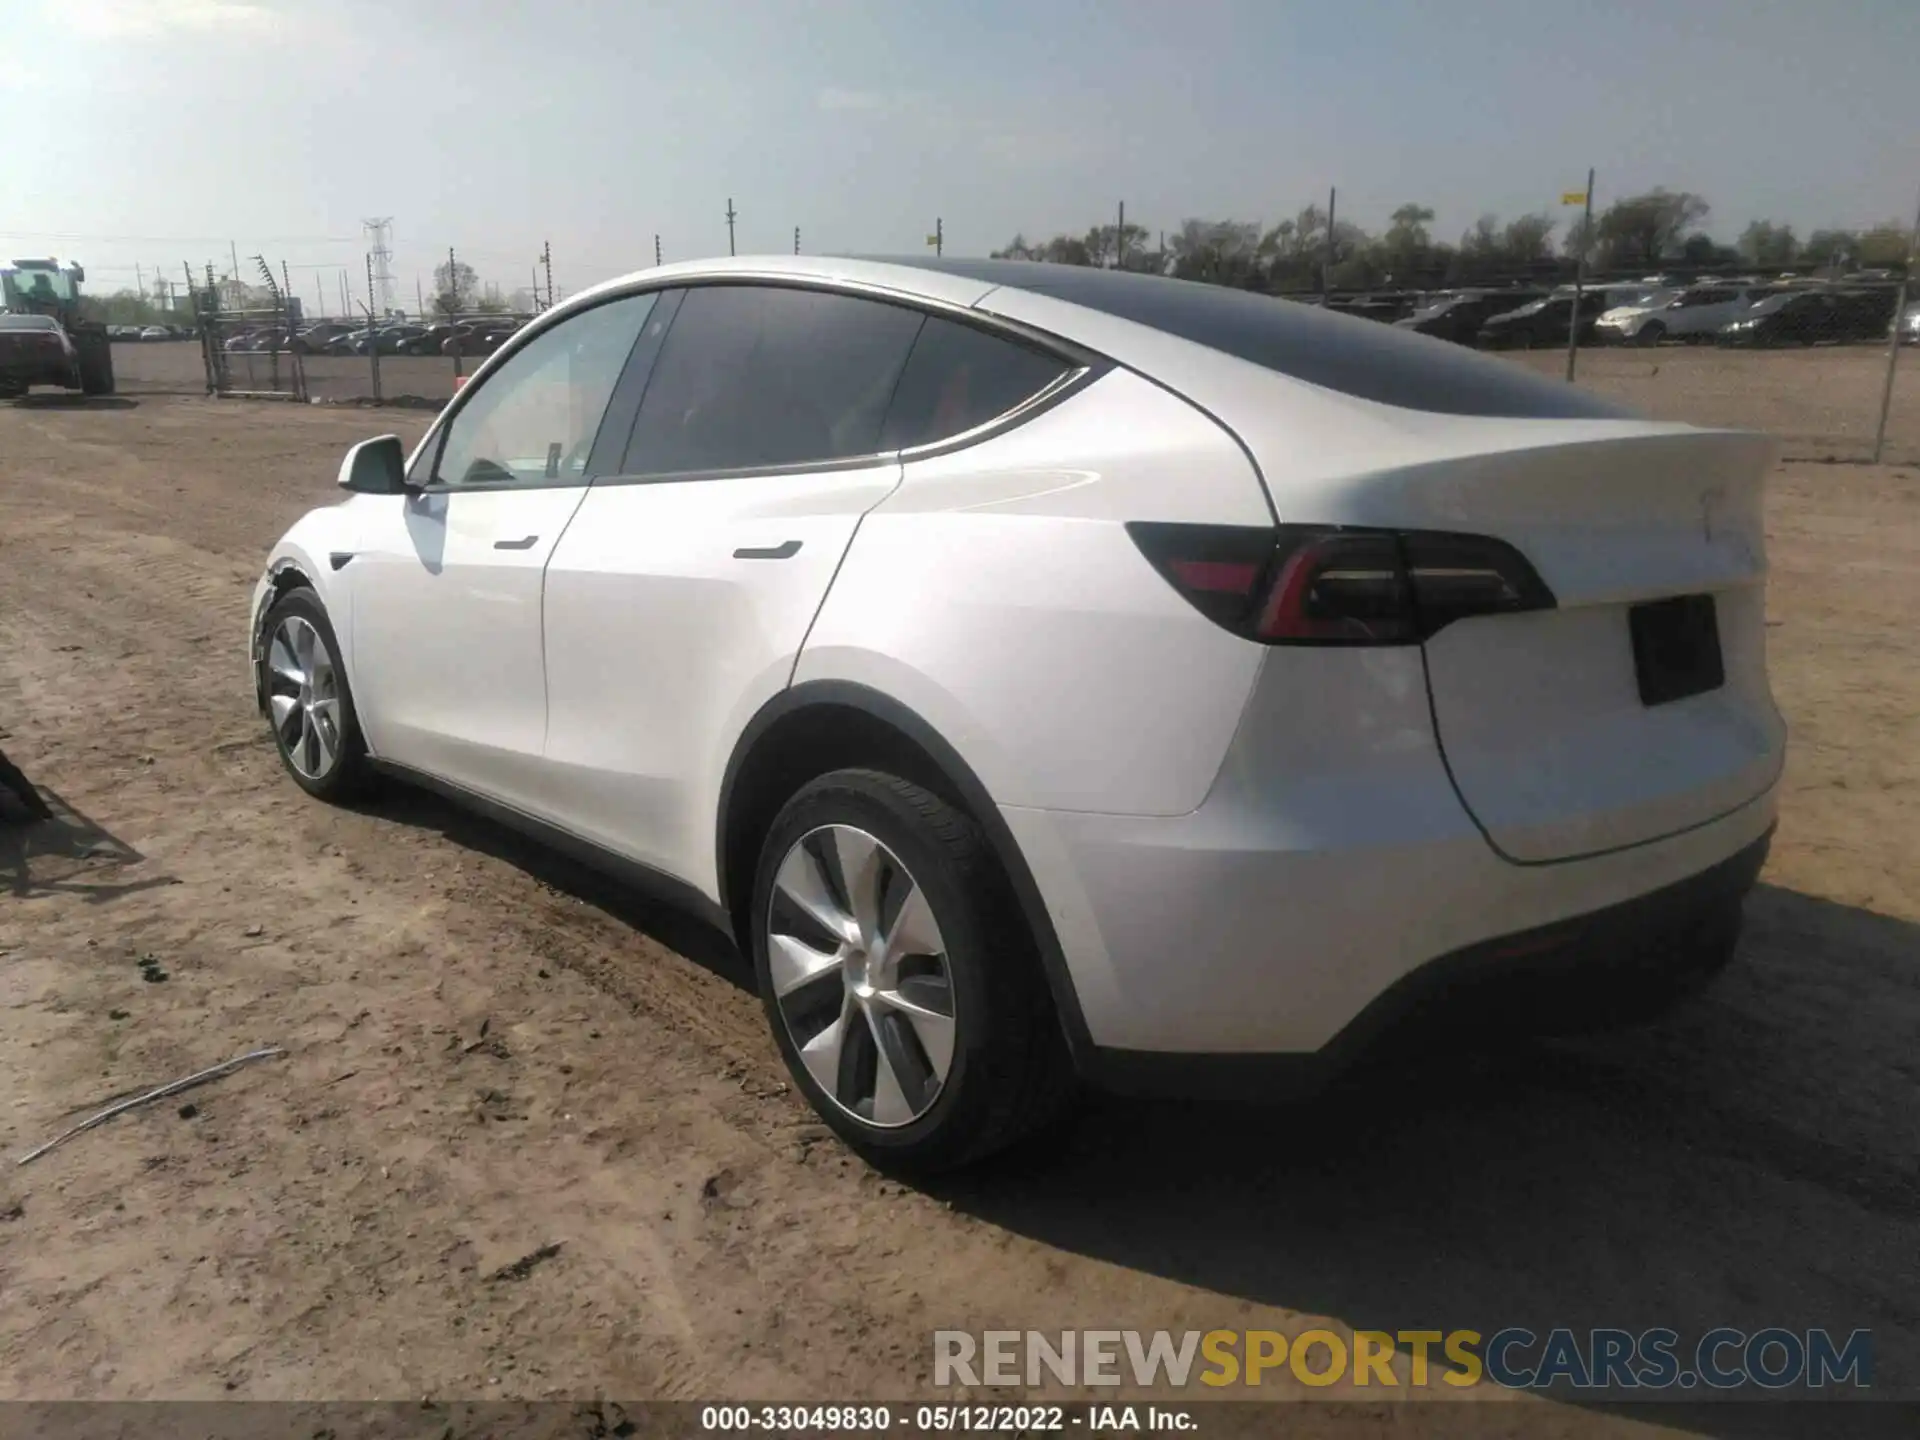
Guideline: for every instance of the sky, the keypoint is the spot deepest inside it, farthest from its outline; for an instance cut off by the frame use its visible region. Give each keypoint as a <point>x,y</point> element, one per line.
<point>152,132</point>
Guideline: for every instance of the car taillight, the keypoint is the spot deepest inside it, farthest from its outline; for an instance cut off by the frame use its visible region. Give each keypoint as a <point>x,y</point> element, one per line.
<point>1328,585</point>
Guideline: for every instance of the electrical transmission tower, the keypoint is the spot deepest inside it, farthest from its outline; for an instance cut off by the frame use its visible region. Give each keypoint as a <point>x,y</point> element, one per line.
<point>379,234</point>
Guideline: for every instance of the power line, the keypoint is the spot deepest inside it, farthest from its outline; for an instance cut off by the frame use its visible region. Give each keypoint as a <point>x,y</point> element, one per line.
<point>178,239</point>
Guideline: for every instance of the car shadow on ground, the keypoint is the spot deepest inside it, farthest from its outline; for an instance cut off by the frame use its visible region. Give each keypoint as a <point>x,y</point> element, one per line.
<point>666,919</point>
<point>76,402</point>
<point>69,854</point>
<point>1749,1162</point>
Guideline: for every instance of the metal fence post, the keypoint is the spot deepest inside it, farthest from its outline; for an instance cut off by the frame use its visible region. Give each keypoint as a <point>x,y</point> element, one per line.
<point>373,333</point>
<point>1579,281</point>
<point>1893,343</point>
<point>202,327</point>
<point>299,364</point>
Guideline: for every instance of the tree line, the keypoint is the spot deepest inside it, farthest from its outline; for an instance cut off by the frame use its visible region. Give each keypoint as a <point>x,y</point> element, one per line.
<point>1635,234</point>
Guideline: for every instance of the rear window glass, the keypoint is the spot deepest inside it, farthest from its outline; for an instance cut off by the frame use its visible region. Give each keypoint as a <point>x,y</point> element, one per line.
<point>1356,357</point>
<point>959,378</point>
<point>28,322</point>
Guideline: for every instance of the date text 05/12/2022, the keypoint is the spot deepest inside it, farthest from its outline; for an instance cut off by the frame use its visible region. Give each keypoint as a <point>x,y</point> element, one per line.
<point>947,1418</point>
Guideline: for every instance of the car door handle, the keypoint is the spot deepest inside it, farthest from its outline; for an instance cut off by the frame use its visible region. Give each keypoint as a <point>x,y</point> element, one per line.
<point>525,544</point>
<point>786,550</point>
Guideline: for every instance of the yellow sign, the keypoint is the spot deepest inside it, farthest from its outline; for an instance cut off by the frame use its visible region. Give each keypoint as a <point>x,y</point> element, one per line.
<point>1574,197</point>
<point>933,239</point>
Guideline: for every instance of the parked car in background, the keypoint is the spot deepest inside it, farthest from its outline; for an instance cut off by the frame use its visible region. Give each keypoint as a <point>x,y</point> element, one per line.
<point>1544,322</point>
<point>1695,313</point>
<point>1812,317</point>
<point>480,337</point>
<point>1864,314</point>
<point>1459,316</point>
<point>343,343</point>
<point>315,338</point>
<point>388,339</point>
<point>156,332</point>
<point>1386,306</point>
<point>1910,325</point>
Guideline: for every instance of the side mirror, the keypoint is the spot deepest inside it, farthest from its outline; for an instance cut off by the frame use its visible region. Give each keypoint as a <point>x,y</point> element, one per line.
<point>375,467</point>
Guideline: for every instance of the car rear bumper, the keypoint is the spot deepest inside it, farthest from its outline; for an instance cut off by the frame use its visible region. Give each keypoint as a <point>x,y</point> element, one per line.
<point>1524,975</point>
<point>1331,863</point>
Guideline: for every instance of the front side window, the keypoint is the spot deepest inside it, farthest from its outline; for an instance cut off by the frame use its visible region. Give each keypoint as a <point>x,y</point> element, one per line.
<point>959,378</point>
<point>758,376</point>
<point>532,421</point>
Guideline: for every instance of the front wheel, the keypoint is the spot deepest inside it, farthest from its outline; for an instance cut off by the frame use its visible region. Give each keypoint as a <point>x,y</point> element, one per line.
<point>900,979</point>
<point>309,704</point>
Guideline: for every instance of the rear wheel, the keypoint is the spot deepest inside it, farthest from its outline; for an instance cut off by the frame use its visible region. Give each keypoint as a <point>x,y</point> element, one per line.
<point>96,363</point>
<point>900,980</point>
<point>1651,333</point>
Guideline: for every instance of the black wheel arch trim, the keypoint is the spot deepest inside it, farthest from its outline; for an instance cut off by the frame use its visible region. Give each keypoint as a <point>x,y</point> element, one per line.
<point>971,792</point>
<point>285,566</point>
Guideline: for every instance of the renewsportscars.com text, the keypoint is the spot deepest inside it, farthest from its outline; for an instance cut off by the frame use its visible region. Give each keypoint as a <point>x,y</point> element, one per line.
<point>1515,1358</point>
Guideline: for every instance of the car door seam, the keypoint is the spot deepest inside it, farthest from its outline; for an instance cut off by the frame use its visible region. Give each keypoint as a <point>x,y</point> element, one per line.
<point>793,666</point>
<point>546,687</point>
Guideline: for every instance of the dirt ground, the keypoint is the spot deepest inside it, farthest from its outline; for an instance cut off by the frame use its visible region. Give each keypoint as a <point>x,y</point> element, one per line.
<point>530,1137</point>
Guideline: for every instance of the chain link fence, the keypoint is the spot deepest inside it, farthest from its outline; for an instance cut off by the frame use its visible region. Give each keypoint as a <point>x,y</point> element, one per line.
<point>1806,357</point>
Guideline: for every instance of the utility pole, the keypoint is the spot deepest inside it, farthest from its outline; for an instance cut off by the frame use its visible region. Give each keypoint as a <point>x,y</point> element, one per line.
<point>1893,345</point>
<point>796,239</point>
<point>234,251</point>
<point>1120,239</point>
<point>453,284</point>
<point>346,310</point>
<point>1326,265</point>
<point>546,260</point>
<point>656,247</point>
<point>320,291</point>
<point>139,280</point>
<point>373,333</point>
<point>938,239</point>
<point>1579,280</point>
<point>731,217</point>
<point>535,273</point>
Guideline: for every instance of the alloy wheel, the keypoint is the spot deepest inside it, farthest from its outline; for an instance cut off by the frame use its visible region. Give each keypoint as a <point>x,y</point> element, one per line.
<point>860,976</point>
<point>303,693</point>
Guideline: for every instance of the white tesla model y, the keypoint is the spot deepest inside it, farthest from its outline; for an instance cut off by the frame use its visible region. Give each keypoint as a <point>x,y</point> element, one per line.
<point>1051,674</point>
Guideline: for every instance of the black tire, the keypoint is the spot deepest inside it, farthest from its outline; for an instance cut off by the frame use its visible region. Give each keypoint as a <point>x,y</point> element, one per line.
<point>1010,1074</point>
<point>1651,333</point>
<point>96,364</point>
<point>349,774</point>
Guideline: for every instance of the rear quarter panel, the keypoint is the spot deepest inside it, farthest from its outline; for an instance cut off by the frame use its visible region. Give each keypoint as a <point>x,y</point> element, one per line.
<point>998,595</point>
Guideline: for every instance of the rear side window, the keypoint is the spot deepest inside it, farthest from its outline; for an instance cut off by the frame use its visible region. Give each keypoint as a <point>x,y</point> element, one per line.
<point>753,376</point>
<point>1339,352</point>
<point>959,378</point>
